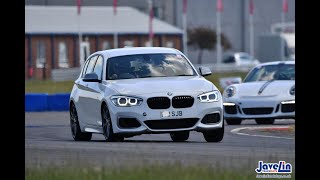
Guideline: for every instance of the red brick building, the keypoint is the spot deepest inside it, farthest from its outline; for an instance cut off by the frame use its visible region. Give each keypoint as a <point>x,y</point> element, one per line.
<point>52,35</point>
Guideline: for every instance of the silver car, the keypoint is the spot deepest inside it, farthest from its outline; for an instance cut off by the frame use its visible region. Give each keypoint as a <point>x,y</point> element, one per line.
<point>240,59</point>
<point>125,92</point>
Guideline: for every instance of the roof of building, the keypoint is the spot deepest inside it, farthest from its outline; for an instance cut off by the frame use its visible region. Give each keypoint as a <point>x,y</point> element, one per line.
<point>94,20</point>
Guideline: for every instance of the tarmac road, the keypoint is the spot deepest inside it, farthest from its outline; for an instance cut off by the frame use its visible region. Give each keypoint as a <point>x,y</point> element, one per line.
<point>48,141</point>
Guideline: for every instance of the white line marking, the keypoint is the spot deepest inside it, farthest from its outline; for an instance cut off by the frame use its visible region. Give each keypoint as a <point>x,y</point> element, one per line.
<point>236,131</point>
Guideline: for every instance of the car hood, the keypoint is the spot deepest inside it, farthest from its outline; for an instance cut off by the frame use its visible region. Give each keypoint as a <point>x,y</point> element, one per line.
<point>161,85</point>
<point>272,88</point>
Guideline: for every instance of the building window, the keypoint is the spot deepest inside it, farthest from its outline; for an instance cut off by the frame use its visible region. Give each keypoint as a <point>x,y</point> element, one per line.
<point>147,44</point>
<point>63,55</point>
<point>128,43</point>
<point>105,45</point>
<point>41,54</point>
<point>170,44</point>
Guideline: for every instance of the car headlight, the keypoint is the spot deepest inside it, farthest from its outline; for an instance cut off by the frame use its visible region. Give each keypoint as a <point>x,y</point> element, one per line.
<point>292,91</point>
<point>212,96</point>
<point>230,91</point>
<point>126,101</point>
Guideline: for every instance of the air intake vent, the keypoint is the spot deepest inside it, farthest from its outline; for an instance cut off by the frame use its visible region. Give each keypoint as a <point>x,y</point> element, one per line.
<point>254,111</point>
<point>171,123</point>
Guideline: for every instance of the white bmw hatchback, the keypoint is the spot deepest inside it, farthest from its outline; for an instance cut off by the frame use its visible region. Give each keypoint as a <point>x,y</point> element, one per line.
<point>125,92</point>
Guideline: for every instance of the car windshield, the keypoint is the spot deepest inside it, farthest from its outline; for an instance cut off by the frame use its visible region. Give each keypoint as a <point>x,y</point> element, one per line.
<point>148,65</point>
<point>272,72</point>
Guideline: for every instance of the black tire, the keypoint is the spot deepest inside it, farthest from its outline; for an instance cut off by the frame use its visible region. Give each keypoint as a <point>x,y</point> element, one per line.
<point>264,121</point>
<point>233,121</point>
<point>107,126</point>
<point>76,132</point>
<point>215,135</point>
<point>180,136</point>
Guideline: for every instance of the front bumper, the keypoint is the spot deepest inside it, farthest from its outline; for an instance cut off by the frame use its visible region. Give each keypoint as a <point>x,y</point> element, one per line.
<point>246,108</point>
<point>150,120</point>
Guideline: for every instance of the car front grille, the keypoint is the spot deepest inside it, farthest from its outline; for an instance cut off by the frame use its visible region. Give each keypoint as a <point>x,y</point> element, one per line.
<point>255,111</point>
<point>158,103</point>
<point>287,108</point>
<point>182,101</point>
<point>171,123</point>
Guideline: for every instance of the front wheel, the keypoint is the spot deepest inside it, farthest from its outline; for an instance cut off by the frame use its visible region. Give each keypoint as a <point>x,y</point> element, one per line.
<point>107,126</point>
<point>180,136</point>
<point>215,135</point>
<point>264,121</point>
<point>75,127</point>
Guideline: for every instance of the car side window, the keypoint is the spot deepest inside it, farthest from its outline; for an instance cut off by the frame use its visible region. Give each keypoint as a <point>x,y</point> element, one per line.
<point>90,66</point>
<point>98,67</point>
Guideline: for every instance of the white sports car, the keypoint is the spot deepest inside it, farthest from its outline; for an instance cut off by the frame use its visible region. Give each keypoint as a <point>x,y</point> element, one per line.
<point>267,93</point>
<point>125,92</point>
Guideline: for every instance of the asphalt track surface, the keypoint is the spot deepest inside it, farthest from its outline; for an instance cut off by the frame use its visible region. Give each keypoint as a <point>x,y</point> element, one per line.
<point>48,141</point>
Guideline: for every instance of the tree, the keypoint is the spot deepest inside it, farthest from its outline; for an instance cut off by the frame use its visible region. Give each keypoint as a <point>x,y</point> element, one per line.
<point>205,38</point>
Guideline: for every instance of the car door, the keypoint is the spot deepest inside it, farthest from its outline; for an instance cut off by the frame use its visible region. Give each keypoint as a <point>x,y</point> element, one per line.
<point>96,92</point>
<point>84,94</point>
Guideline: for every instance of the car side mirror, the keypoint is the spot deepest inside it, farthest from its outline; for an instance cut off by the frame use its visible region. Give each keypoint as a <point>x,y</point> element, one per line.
<point>91,77</point>
<point>205,71</point>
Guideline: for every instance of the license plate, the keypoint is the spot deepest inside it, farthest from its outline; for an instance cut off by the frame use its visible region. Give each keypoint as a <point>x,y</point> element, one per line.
<point>165,114</point>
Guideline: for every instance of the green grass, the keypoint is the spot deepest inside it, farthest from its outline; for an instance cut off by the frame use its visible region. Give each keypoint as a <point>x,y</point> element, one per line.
<point>50,87</point>
<point>154,172</point>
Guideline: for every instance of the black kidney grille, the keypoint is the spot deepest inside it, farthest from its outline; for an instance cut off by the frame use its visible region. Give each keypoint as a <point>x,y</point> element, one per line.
<point>158,103</point>
<point>182,101</point>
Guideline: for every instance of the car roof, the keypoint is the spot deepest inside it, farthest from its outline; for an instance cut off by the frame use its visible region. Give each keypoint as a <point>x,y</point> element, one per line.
<point>276,62</point>
<point>136,50</point>
<point>235,53</point>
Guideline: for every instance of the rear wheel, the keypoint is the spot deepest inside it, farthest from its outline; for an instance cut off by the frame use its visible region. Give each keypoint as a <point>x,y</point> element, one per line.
<point>233,121</point>
<point>180,136</point>
<point>107,126</point>
<point>215,135</point>
<point>75,127</point>
<point>264,121</point>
